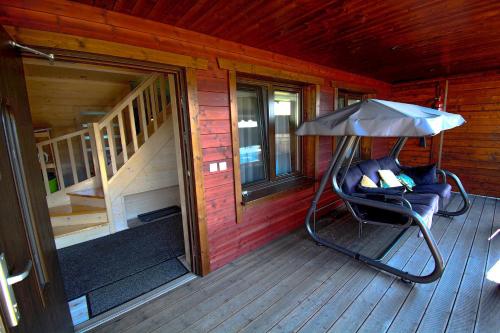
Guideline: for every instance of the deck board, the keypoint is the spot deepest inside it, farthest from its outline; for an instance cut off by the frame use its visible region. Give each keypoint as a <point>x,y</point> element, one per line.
<point>294,285</point>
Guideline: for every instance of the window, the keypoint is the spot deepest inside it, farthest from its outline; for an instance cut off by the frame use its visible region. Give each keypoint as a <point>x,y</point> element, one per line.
<point>346,98</point>
<point>268,115</point>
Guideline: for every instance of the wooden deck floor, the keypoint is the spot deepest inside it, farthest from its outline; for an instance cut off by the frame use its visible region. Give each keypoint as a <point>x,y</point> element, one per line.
<point>294,285</point>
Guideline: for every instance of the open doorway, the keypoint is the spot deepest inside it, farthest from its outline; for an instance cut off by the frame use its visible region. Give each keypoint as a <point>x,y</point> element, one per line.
<point>111,159</point>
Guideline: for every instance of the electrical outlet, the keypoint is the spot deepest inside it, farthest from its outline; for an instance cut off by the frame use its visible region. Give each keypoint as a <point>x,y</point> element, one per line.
<point>222,166</point>
<point>213,167</point>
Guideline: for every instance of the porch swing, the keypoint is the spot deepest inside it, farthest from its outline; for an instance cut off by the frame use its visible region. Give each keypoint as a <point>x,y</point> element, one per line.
<point>394,207</point>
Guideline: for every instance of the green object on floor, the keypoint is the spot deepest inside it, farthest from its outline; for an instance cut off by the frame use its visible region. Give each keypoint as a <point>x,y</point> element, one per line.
<point>53,185</point>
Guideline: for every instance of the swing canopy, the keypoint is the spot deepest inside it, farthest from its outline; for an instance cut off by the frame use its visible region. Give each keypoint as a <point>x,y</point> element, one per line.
<point>380,118</point>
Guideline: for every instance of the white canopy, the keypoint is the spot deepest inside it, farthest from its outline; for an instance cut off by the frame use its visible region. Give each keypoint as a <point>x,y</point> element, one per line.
<point>379,118</point>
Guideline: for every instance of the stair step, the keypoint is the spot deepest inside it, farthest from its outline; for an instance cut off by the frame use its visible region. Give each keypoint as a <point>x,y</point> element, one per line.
<point>70,210</point>
<point>97,193</point>
<point>70,235</point>
<point>90,197</point>
<point>76,215</point>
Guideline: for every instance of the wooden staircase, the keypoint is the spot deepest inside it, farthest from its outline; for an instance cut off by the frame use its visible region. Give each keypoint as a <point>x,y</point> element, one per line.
<point>101,149</point>
<point>83,219</point>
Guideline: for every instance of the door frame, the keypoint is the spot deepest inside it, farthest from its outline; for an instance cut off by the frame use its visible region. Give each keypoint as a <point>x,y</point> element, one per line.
<point>196,224</point>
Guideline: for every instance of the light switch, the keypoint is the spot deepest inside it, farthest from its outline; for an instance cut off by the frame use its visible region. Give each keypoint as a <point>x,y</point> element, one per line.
<point>213,167</point>
<point>222,166</point>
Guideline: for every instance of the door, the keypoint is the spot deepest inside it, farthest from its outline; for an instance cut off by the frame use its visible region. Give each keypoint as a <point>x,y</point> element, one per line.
<point>26,240</point>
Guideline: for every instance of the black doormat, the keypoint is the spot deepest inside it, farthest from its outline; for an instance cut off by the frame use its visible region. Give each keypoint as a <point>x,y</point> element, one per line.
<point>158,214</point>
<point>104,269</point>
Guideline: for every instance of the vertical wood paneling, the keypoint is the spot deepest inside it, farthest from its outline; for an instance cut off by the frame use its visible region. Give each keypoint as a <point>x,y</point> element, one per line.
<point>472,151</point>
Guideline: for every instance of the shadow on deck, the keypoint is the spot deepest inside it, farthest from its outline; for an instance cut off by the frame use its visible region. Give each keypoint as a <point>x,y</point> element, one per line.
<point>294,285</point>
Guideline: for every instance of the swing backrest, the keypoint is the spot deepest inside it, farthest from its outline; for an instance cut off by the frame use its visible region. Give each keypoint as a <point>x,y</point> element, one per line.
<point>369,168</point>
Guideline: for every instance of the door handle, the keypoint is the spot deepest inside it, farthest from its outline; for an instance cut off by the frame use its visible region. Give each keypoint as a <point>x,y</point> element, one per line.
<point>7,298</point>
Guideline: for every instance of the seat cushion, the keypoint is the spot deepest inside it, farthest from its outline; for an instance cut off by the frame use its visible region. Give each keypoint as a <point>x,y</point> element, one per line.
<point>443,190</point>
<point>425,204</point>
<point>431,201</point>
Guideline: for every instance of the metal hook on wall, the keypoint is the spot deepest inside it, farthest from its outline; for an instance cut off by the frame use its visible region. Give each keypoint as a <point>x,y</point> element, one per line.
<point>49,56</point>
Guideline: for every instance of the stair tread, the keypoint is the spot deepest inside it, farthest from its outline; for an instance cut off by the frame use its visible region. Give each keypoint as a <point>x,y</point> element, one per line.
<point>68,210</point>
<point>91,193</point>
<point>60,231</point>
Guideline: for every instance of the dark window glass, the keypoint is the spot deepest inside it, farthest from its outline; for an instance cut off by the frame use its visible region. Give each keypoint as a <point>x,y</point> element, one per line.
<point>268,115</point>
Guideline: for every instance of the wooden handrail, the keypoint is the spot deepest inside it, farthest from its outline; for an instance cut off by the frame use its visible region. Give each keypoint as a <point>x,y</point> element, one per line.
<point>128,99</point>
<point>63,137</point>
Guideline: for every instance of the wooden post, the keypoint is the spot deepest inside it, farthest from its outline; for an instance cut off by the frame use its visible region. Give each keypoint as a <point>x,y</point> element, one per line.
<point>142,116</point>
<point>123,140</point>
<point>101,158</point>
<point>154,107</point>
<point>60,178</point>
<point>93,137</point>
<point>132,126</point>
<point>44,169</point>
<point>112,147</point>
<point>85,155</point>
<point>441,137</point>
<point>72,160</point>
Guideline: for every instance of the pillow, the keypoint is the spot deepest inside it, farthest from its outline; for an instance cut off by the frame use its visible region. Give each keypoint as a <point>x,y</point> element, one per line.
<point>406,180</point>
<point>367,182</point>
<point>388,177</point>
<point>422,175</point>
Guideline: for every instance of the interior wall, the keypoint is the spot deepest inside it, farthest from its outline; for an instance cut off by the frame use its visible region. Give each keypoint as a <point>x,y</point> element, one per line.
<point>471,151</point>
<point>263,221</point>
<point>144,202</point>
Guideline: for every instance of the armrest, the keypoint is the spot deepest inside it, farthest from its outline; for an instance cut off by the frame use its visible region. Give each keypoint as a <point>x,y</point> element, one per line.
<point>442,173</point>
<point>465,197</point>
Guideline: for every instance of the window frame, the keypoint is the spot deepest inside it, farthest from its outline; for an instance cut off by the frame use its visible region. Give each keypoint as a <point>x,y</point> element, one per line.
<point>347,94</point>
<point>273,183</point>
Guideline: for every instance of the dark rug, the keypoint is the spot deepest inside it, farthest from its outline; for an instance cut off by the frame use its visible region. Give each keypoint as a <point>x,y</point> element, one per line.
<point>375,241</point>
<point>137,259</point>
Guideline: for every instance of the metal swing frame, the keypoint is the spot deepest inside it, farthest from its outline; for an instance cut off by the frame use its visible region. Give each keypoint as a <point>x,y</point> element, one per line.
<point>345,152</point>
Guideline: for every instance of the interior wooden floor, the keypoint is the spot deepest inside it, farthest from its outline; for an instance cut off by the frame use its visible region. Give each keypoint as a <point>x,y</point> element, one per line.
<point>294,285</point>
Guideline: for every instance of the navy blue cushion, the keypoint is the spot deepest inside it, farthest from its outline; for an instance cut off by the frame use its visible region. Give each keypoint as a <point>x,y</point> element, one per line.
<point>379,190</point>
<point>422,175</point>
<point>388,163</point>
<point>443,190</point>
<point>423,199</point>
<point>352,179</point>
<point>370,168</point>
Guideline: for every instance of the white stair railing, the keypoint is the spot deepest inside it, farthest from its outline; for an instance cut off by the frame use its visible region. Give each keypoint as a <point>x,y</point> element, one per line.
<point>54,160</point>
<point>119,134</point>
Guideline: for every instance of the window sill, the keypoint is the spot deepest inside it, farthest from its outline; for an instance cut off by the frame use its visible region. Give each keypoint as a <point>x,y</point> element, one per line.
<point>275,189</point>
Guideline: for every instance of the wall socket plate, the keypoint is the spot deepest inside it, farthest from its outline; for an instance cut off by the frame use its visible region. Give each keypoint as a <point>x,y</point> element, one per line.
<point>213,167</point>
<point>222,166</point>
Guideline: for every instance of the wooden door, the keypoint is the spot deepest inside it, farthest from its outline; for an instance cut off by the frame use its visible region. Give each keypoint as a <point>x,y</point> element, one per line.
<point>25,230</point>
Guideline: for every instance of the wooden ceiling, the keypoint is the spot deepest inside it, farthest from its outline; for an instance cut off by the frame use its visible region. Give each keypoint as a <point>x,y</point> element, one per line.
<point>391,40</point>
<point>65,95</point>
